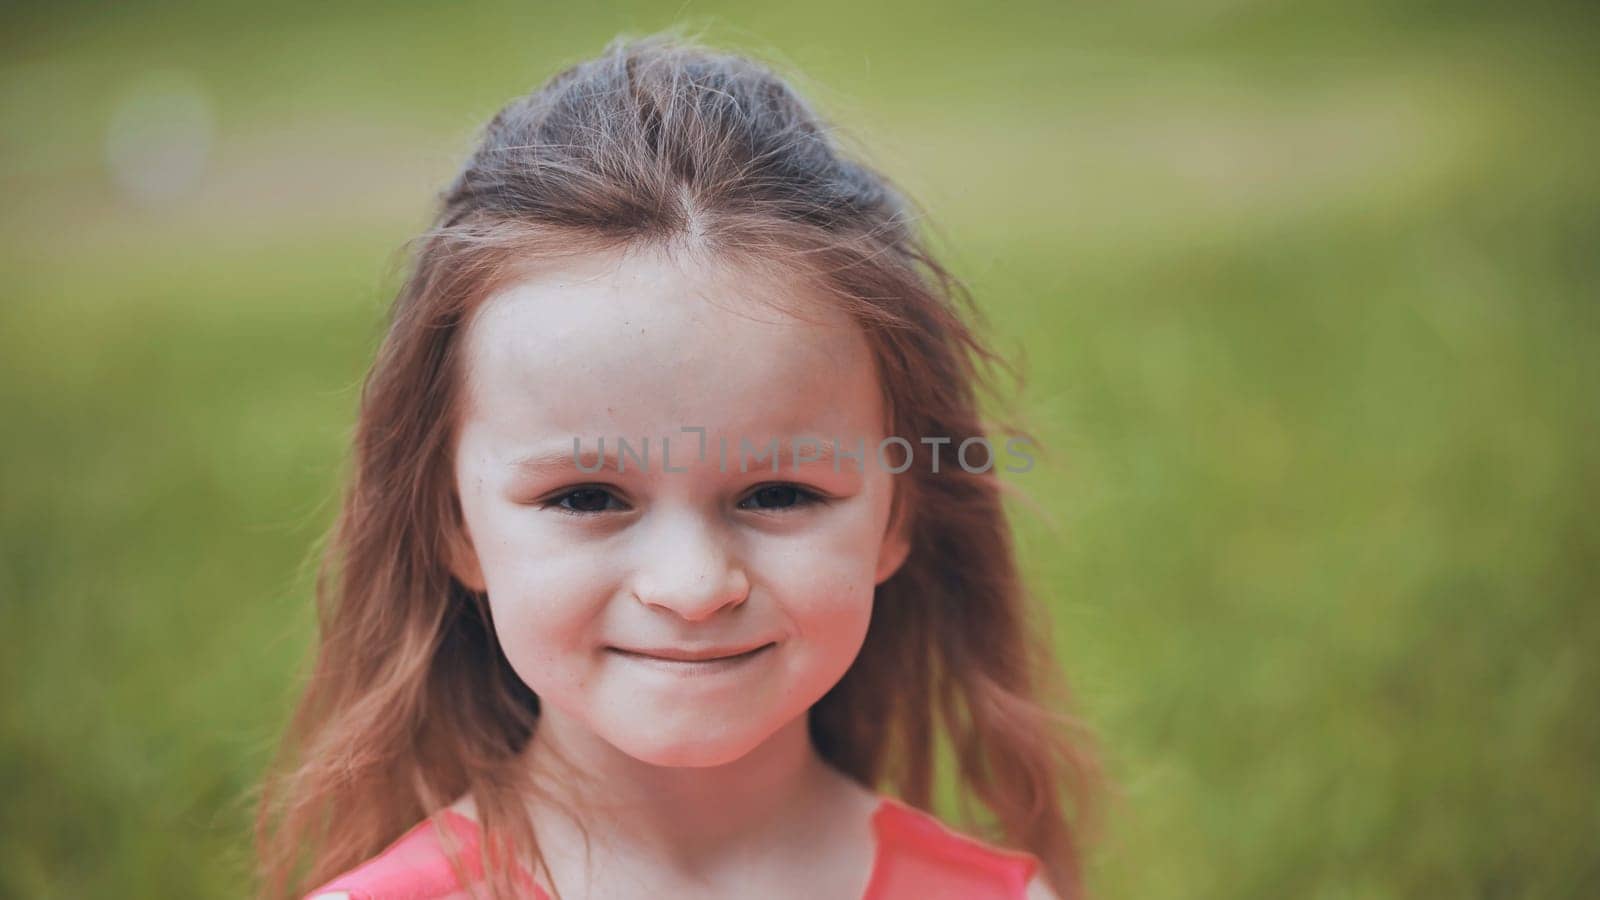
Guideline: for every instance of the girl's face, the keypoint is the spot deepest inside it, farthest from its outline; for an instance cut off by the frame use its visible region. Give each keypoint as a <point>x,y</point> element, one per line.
<point>679,608</point>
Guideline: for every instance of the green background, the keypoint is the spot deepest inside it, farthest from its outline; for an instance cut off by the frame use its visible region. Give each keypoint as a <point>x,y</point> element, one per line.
<point>1306,296</point>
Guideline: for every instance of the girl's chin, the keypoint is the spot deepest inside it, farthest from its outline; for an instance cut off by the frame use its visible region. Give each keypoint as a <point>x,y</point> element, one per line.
<point>682,748</point>
<point>692,751</point>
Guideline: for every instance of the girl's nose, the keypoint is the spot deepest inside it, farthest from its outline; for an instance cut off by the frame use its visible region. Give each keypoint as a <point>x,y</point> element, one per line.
<point>688,571</point>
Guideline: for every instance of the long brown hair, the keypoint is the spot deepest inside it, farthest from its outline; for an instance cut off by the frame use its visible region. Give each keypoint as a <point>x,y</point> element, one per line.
<point>661,141</point>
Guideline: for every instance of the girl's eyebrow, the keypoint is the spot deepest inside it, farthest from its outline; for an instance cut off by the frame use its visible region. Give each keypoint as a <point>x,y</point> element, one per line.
<point>554,459</point>
<point>780,452</point>
<point>775,455</point>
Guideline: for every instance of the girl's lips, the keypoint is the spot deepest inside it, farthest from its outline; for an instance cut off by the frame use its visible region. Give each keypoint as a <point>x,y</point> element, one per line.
<point>700,654</point>
<point>678,661</point>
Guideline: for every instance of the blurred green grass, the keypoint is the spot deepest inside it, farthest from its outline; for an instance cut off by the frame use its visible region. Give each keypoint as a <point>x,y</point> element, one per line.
<point>1307,299</point>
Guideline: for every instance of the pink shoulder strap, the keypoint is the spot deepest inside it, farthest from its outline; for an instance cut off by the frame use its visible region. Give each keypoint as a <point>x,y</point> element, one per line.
<point>919,857</point>
<point>416,866</point>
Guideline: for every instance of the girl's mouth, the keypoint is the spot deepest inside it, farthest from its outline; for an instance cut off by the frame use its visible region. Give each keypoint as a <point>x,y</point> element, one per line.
<point>687,661</point>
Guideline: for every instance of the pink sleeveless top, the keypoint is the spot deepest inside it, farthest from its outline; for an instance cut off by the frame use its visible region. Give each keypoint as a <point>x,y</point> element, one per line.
<point>917,858</point>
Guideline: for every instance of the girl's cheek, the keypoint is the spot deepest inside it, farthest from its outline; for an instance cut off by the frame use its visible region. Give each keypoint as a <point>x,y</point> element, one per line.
<point>819,591</point>
<point>545,602</point>
<point>544,637</point>
<point>841,551</point>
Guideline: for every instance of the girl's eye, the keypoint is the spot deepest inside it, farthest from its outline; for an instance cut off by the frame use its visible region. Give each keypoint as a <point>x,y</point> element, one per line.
<point>779,497</point>
<point>586,500</point>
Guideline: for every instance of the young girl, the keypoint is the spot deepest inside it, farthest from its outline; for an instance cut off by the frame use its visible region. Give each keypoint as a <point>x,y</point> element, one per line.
<point>672,561</point>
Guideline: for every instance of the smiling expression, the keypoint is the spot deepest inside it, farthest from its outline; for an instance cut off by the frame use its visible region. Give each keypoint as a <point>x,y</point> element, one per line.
<point>682,616</point>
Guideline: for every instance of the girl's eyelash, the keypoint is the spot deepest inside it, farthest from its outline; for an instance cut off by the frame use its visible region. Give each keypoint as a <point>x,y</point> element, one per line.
<point>803,497</point>
<point>555,501</point>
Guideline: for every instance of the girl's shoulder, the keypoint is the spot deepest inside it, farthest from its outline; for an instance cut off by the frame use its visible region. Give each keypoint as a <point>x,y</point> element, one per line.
<point>917,857</point>
<point>416,866</point>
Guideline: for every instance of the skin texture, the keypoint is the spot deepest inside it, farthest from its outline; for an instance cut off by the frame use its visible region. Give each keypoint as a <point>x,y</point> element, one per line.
<point>706,782</point>
<point>640,348</point>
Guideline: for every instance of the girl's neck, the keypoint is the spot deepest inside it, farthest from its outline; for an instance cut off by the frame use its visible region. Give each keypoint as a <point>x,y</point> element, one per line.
<point>688,818</point>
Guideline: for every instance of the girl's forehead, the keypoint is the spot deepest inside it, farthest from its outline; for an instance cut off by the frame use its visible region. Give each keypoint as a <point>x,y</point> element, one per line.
<point>644,342</point>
